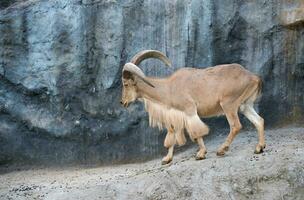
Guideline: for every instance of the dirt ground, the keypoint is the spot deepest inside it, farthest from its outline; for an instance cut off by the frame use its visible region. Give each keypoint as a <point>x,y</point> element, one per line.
<point>278,173</point>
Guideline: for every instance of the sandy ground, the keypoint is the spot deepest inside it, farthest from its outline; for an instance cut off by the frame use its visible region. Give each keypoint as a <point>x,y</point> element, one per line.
<point>278,173</point>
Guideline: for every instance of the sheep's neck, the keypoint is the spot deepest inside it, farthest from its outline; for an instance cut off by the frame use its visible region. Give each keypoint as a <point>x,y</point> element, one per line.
<point>158,94</point>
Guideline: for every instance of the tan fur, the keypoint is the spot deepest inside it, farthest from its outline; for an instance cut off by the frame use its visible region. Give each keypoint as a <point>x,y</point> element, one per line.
<point>180,100</point>
<point>170,138</point>
<point>196,127</point>
<point>163,116</point>
<point>180,137</point>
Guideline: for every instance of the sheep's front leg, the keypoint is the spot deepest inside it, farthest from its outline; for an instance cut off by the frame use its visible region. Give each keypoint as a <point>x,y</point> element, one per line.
<point>201,154</point>
<point>197,129</point>
<point>169,143</point>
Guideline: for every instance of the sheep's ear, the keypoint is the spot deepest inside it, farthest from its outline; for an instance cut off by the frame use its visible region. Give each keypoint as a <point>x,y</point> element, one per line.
<point>131,76</point>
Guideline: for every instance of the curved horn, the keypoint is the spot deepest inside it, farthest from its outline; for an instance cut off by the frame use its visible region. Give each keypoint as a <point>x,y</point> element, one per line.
<point>142,55</point>
<point>130,67</point>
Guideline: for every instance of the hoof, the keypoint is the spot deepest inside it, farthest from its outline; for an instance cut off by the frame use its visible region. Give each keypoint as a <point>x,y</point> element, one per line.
<point>200,157</point>
<point>165,162</point>
<point>259,149</point>
<point>201,154</point>
<point>222,151</point>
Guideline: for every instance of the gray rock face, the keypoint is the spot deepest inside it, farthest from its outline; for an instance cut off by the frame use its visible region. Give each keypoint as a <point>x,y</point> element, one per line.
<point>61,61</point>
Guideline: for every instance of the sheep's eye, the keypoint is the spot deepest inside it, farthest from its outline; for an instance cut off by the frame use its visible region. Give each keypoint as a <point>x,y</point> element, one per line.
<point>126,85</point>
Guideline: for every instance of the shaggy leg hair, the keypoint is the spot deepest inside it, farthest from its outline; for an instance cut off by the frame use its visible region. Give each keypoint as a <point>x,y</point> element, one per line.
<point>163,116</point>
<point>196,128</point>
<point>180,137</point>
<point>170,138</point>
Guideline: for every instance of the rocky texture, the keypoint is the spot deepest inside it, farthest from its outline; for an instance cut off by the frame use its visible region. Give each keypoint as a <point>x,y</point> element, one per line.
<point>61,60</point>
<point>276,174</point>
<point>263,38</point>
<point>294,16</point>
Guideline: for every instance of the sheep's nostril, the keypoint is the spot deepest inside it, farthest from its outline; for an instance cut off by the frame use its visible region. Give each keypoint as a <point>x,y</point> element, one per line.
<point>121,102</point>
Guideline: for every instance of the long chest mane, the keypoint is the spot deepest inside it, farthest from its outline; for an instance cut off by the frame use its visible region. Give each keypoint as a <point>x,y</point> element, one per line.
<point>163,116</point>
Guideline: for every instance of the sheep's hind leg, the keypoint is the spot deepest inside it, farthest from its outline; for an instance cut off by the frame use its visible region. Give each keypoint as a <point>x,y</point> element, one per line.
<point>201,154</point>
<point>235,127</point>
<point>258,122</point>
<point>169,143</point>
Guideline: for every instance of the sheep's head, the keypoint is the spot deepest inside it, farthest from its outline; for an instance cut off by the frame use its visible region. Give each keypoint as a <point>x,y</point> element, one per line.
<point>131,75</point>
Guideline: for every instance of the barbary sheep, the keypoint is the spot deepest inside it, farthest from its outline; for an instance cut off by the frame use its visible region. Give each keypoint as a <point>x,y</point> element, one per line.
<point>177,102</point>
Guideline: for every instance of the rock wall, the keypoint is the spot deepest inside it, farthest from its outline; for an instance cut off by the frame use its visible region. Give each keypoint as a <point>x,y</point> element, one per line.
<point>61,61</point>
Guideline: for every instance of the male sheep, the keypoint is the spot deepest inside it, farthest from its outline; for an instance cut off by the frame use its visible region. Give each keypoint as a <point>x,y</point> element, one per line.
<point>177,102</point>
